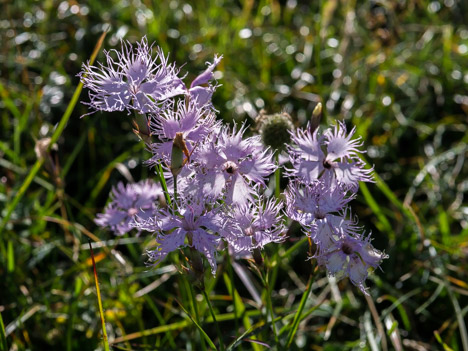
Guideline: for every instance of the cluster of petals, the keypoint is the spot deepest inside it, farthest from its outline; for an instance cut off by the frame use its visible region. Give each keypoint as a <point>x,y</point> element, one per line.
<point>127,201</point>
<point>131,79</point>
<point>229,165</point>
<point>188,119</point>
<point>216,175</point>
<point>193,225</point>
<point>326,171</point>
<point>340,163</point>
<point>254,225</point>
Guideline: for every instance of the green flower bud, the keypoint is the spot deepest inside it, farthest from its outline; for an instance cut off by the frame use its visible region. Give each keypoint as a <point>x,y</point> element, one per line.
<point>274,129</point>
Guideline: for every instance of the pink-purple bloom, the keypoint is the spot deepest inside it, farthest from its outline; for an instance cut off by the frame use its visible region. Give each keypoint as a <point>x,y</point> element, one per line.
<point>216,176</point>
<point>201,90</point>
<point>229,165</point>
<point>127,201</point>
<point>351,256</point>
<point>254,225</point>
<point>195,123</point>
<point>193,225</point>
<point>340,163</point>
<point>131,80</point>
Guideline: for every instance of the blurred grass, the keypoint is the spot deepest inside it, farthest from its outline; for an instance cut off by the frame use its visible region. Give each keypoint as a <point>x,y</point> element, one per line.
<point>395,69</point>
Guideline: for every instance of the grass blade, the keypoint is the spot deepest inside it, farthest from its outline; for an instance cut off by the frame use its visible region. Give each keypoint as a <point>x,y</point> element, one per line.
<point>3,342</point>
<point>98,292</point>
<point>297,317</point>
<point>57,133</point>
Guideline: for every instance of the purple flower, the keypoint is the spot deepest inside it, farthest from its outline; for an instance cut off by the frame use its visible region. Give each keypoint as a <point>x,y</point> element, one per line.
<point>232,165</point>
<point>133,81</point>
<point>198,91</point>
<point>306,203</point>
<point>340,163</point>
<point>193,225</point>
<point>137,199</point>
<point>192,121</point>
<point>351,256</point>
<point>253,225</point>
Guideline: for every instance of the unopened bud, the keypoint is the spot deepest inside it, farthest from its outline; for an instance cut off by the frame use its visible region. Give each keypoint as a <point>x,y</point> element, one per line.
<point>316,117</point>
<point>179,150</point>
<point>274,129</point>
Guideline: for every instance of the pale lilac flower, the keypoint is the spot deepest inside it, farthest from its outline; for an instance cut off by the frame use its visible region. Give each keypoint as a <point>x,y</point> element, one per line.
<point>339,164</point>
<point>192,121</point>
<point>351,256</point>
<point>135,199</point>
<point>306,203</point>
<point>253,225</point>
<point>199,90</point>
<point>134,80</point>
<point>230,166</point>
<point>193,225</point>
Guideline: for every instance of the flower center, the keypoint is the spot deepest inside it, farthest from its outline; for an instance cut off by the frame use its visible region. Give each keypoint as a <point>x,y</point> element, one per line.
<point>132,211</point>
<point>327,164</point>
<point>230,167</point>
<point>347,249</point>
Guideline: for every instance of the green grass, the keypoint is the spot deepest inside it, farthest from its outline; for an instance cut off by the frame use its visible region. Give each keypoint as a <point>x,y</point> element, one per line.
<point>396,71</point>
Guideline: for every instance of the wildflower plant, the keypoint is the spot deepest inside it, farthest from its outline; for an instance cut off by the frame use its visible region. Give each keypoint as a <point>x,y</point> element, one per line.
<point>214,177</point>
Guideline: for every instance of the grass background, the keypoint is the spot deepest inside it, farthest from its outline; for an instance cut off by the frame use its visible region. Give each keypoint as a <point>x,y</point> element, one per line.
<point>395,69</point>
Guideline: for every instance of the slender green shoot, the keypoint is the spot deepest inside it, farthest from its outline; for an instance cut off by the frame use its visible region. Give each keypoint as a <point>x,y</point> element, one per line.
<point>3,342</point>
<point>98,292</point>
<point>218,330</point>
<point>205,335</point>
<point>297,316</point>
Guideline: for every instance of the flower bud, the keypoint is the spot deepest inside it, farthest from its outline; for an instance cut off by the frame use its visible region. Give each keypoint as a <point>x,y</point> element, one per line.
<point>316,117</point>
<point>274,129</point>
<point>179,150</point>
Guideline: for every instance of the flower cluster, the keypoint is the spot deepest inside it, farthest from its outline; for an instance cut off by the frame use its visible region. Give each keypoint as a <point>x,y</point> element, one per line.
<point>214,176</point>
<point>325,176</point>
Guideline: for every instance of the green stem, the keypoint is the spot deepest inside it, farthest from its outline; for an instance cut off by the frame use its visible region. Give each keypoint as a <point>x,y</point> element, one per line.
<point>163,184</point>
<point>277,177</point>
<point>101,310</point>
<point>297,316</point>
<point>270,307</point>
<point>3,344</point>
<point>197,315</point>
<point>175,188</point>
<point>220,336</point>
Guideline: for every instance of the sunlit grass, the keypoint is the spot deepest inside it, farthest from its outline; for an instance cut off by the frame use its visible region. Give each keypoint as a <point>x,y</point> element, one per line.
<point>398,72</point>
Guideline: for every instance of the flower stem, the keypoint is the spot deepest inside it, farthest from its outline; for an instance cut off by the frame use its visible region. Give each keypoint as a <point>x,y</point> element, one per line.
<point>163,184</point>
<point>220,336</point>
<point>297,316</point>
<point>175,188</point>
<point>277,176</point>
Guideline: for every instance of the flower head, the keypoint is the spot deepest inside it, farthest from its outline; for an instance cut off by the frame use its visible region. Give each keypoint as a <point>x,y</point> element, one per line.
<point>201,90</point>
<point>193,226</point>
<point>253,225</point>
<point>186,120</point>
<point>133,80</point>
<point>351,256</point>
<point>136,199</point>
<point>231,164</point>
<point>339,164</point>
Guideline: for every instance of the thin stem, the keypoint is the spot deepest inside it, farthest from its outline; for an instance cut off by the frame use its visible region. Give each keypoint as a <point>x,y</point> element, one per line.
<point>163,184</point>
<point>297,316</point>
<point>277,176</point>
<point>270,307</point>
<point>197,316</point>
<point>175,188</point>
<point>220,336</point>
<point>101,310</point>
